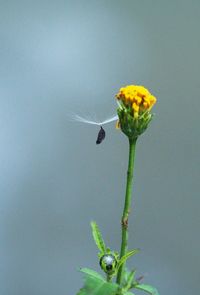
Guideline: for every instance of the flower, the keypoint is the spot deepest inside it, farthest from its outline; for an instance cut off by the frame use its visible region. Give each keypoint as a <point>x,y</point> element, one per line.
<point>136,97</point>
<point>135,103</point>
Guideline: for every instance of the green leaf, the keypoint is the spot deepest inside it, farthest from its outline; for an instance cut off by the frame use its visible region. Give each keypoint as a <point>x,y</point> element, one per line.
<point>95,284</point>
<point>125,275</point>
<point>92,273</point>
<point>130,280</point>
<point>127,293</point>
<point>147,288</point>
<point>82,292</point>
<point>126,256</point>
<point>98,237</point>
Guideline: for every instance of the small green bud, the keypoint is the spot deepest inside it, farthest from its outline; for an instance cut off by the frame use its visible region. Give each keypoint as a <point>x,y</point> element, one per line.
<point>108,263</point>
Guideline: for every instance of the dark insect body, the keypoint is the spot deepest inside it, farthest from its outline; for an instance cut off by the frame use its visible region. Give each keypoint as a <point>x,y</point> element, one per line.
<point>101,135</point>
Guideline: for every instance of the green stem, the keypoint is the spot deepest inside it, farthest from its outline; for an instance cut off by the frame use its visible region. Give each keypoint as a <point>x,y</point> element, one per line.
<point>127,206</point>
<point>109,278</point>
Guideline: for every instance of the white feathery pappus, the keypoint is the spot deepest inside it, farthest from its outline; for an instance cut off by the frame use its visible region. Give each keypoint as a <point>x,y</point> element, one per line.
<point>101,134</point>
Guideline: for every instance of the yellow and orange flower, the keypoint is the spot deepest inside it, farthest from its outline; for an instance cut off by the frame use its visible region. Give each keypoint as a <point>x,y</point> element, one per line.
<point>136,97</point>
<point>135,103</point>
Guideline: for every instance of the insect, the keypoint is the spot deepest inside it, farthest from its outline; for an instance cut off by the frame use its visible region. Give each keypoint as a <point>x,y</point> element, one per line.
<point>101,135</point>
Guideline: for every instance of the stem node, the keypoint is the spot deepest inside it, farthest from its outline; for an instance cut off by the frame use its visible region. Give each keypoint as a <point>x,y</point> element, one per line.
<point>125,222</point>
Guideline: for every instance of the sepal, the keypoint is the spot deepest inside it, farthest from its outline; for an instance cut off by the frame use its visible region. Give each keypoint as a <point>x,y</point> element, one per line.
<point>130,126</point>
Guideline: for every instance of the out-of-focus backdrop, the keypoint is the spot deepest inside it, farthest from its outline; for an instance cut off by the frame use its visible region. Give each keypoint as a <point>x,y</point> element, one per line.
<point>63,57</point>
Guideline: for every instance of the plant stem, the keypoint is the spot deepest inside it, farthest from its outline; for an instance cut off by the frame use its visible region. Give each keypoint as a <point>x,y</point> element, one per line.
<point>127,206</point>
<point>109,278</point>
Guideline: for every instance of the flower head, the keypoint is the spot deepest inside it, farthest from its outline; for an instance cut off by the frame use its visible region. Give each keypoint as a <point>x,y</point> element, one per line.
<point>136,97</point>
<point>135,103</point>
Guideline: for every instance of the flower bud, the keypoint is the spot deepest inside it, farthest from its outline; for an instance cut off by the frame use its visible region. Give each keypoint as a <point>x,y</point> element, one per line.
<point>108,263</point>
<point>135,103</point>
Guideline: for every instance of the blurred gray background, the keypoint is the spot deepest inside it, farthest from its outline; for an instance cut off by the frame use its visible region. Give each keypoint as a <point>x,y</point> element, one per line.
<point>63,57</point>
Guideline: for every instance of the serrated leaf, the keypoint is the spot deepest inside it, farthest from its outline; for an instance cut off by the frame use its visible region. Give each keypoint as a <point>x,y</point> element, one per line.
<point>95,284</point>
<point>147,288</point>
<point>98,237</point>
<point>126,256</point>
